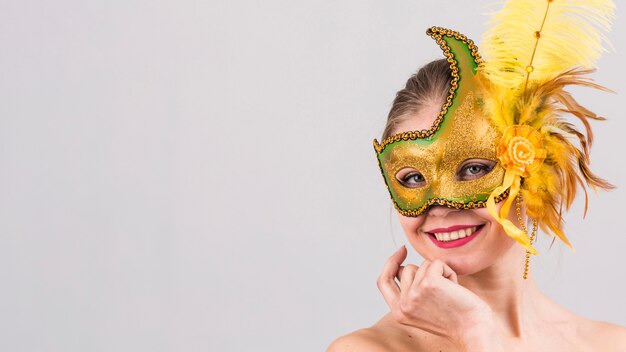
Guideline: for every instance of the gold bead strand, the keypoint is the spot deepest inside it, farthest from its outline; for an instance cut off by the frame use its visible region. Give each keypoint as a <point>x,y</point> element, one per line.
<point>532,239</point>
<point>518,201</point>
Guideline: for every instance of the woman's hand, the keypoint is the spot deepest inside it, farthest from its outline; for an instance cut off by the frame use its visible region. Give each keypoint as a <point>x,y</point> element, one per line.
<point>429,297</point>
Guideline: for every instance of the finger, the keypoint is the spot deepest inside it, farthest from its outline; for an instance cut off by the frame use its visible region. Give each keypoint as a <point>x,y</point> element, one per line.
<point>439,268</point>
<point>408,275</point>
<point>421,272</point>
<point>386,281</point>
<point>399,273</point>
<point>449,273</point>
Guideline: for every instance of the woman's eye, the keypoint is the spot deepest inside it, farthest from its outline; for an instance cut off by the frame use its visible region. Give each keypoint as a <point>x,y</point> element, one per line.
<point>473,171</point>
<point>413,180</point>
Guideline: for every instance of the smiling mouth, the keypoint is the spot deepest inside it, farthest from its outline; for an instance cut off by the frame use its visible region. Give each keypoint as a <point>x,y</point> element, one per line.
<point>450,236</point>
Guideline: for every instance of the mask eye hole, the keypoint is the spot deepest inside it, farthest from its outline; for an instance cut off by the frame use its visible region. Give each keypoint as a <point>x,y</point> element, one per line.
<point>411,178</point>
<point>474,168</point>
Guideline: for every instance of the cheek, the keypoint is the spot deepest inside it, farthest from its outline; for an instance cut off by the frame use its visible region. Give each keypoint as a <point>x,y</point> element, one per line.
<point>418,240</point>
<point>410,225</point>
<point>496,236</point>
<point>496,243</point>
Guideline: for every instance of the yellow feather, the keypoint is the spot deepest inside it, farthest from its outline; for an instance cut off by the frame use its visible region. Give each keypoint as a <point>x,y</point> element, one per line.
<point>551,37</point>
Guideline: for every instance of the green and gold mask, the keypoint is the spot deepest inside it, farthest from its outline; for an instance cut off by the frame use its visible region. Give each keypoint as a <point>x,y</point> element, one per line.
<point>459,134</point>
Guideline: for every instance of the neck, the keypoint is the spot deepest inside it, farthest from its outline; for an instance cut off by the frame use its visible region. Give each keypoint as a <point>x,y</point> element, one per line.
<point>514,301</point>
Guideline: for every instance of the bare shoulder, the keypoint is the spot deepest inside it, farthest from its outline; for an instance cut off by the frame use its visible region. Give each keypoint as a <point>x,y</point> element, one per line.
<point>367,339</point>
<point>608,336</point>
<point>387,335</point>
<point>591,335</point>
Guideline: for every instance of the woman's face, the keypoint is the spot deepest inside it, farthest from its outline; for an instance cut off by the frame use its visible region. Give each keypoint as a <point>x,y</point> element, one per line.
<point>487,243</point>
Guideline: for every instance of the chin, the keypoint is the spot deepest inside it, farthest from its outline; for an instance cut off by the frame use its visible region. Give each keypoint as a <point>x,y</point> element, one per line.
<point>501,253</point>
<point>465,265</point>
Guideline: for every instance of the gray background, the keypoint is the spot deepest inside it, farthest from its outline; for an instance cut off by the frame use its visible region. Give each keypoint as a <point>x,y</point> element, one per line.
<point>192,176</point>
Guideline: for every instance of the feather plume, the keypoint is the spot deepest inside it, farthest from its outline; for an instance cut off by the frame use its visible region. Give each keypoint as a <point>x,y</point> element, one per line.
<point>534,40</point>
<point>545,106</point>
<point>532,51</point>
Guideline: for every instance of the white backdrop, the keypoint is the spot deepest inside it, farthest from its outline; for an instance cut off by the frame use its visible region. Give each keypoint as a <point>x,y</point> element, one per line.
<point>192,176</point>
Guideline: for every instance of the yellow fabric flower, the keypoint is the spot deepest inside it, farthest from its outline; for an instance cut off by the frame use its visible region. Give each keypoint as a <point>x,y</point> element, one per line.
<point>520,150</point>
<point>521,153</point>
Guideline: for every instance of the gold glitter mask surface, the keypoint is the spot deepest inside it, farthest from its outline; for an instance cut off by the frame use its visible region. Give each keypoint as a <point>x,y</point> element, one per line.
<point>466,135</point>
<point>460,137</point>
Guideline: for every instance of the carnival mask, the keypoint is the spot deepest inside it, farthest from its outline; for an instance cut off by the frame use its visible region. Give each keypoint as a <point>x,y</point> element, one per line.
<point>454,163</point>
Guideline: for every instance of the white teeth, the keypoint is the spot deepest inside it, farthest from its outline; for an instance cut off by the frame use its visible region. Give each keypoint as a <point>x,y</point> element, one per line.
<point>454,235</point>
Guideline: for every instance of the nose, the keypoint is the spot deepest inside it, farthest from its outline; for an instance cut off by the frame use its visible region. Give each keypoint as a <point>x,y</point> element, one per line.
<point>440,211</point>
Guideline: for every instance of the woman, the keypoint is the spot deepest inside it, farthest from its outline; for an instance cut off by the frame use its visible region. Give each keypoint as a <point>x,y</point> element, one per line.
<point>473,152</point>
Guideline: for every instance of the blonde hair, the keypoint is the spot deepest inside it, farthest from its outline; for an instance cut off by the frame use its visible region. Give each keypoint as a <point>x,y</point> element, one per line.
<point>430,84</point>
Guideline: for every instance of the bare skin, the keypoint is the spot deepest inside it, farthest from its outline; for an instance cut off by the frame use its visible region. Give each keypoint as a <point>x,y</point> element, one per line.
<point>470,298</point>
